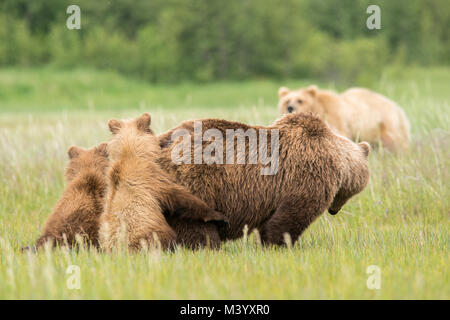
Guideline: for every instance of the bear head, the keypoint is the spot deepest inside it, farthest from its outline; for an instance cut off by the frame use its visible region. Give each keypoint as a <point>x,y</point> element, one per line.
<point>132,136</point>
<point>82,161</point>
<point>356,174</point>
<point>301,100</point>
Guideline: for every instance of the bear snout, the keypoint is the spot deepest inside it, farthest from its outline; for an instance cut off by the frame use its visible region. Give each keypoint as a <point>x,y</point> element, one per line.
<point>290,109</point>
<point>332,212</point>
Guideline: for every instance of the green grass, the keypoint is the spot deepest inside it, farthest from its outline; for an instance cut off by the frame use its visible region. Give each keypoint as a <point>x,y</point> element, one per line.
<point>399,223</point>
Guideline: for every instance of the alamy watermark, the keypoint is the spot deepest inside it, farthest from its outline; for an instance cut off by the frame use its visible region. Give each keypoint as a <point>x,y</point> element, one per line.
<point>374,280</point>
<point>74,20</point>
<point>73,282</point>
<point>258,152</point>
<point>374,20</point>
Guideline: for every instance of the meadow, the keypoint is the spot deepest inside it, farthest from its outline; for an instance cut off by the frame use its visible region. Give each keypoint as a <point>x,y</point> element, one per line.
<point>400,223</point>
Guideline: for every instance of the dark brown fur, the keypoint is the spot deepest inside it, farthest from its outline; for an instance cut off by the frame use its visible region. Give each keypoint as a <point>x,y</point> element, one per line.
<point>318,170</point>
<point>194,222</point>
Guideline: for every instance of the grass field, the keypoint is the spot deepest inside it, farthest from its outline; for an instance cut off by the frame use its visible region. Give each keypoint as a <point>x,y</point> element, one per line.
<point>400,223</point>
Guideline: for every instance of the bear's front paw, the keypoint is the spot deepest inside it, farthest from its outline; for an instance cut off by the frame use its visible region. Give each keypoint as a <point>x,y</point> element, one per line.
<point>271,237</point>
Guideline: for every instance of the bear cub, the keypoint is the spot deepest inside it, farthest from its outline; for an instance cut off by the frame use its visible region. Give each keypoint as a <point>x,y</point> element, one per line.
<point>79,209</point>
<point>141,195</point>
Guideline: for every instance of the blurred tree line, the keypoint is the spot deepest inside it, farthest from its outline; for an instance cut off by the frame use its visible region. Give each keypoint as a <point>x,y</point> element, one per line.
<point>203,40</point>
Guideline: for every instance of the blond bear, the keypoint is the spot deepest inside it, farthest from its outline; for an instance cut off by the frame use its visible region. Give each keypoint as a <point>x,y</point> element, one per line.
<point>358,114</point>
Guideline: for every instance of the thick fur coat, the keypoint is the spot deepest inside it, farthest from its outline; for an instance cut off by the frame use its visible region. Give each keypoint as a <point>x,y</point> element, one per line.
<point>80,206</point>
<point>318,170</point>
<point>141,195</point>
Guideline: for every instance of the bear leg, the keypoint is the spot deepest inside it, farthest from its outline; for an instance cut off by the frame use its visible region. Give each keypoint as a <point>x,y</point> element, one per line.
<point>292,216</point>
<point>185,205</point>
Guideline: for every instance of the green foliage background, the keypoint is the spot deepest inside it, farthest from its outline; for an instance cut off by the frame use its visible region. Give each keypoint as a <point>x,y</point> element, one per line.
<point>205,40</point>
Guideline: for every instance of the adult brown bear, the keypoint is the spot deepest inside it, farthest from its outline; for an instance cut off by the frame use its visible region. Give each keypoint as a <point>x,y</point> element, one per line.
<point>317,170</point>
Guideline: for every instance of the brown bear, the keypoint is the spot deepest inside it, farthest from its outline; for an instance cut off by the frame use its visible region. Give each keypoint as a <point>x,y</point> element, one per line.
<point>140,194</point>
<point>317,170</point>
<point>79,209</point>
<point>358,114</point>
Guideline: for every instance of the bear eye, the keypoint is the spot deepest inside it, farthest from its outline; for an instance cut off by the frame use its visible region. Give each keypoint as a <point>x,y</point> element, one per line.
<point>300,101</point>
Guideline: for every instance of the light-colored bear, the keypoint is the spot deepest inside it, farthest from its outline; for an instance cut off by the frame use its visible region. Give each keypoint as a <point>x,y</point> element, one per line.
<point>358,114</point>
<point>141,195</point>
<point>133,214</point>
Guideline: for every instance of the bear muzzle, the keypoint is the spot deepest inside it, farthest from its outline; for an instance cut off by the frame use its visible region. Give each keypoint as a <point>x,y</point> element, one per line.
<point>332,212</point>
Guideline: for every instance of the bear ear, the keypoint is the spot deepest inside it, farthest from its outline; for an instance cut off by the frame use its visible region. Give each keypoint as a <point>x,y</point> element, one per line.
<point>283,91</point>
<point>365,147</point>
<point>102,149</point>
<point>312,90</point>
<point>143,122</point>
<point>74,152</point>
<point>114,126</point>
